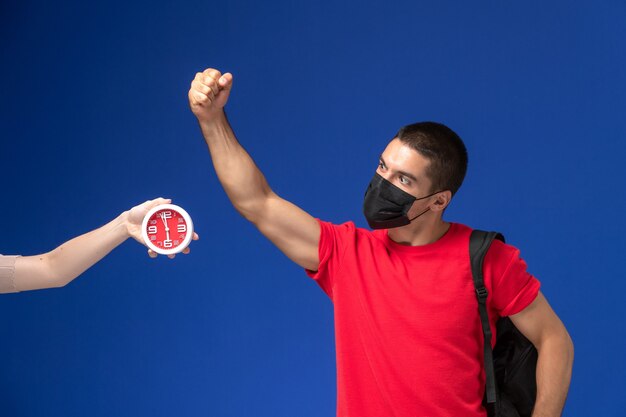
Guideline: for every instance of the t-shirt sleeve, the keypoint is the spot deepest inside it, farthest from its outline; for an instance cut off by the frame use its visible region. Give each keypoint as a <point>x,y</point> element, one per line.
<point>333,242</point>
<point>7,274</point>
<point>513,287</point>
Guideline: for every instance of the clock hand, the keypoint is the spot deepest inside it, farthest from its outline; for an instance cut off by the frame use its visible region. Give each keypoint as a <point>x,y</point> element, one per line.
<point>167,229</point>
<point>164,221</point>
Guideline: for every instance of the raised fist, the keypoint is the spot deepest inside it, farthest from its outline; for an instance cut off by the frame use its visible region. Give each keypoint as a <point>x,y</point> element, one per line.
<point>209,93</point>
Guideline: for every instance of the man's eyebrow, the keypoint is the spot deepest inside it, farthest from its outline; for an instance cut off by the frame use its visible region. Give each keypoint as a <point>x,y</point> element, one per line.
<point>404,173</point>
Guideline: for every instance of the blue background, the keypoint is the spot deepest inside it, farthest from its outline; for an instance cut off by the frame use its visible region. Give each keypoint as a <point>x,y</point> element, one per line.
<point>94,119</point>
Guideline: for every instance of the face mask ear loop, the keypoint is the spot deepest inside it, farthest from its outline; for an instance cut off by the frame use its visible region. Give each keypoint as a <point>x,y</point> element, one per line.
<point>423,212</point>
<point>419,215</point>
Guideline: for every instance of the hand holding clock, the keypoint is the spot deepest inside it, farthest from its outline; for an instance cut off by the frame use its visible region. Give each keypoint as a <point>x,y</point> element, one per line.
<point>141,225</point>
<point>61,265</point>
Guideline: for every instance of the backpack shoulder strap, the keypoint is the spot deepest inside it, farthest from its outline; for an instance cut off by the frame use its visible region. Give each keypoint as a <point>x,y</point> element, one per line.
<point>480,241</point>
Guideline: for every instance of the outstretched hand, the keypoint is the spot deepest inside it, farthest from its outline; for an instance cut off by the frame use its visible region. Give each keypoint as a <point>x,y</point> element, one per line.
<point>135,218</point>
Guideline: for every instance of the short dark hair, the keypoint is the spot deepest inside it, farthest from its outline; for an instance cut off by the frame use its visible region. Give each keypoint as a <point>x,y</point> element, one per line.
<point>445,150</point>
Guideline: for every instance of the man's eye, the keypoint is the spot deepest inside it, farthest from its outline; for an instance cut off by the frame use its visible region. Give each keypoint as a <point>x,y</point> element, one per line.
<point>381,165</point>
<point>404,180</point>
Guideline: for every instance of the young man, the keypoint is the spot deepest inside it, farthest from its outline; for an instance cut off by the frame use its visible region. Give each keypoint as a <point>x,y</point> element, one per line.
<point>408,336</point>
<point>60,266</point>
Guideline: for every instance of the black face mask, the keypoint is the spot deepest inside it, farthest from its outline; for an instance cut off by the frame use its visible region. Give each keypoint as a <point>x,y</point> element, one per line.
<point>386,206</point>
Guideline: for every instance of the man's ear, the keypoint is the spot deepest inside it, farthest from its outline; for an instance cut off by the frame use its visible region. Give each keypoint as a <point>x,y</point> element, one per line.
<point>442,200</point>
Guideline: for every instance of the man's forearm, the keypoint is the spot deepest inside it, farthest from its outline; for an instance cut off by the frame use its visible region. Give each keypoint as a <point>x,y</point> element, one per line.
<point>242,180</point>
<point>554,372</point>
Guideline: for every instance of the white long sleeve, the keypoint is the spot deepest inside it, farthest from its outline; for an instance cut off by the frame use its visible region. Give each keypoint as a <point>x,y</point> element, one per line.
<point>7,274</point>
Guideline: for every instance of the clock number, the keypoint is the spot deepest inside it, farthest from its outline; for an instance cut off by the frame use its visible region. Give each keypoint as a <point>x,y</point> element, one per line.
<point>166,214</point>
<point>152,230</point>
<point>167,243</point>
<point>182,228</point>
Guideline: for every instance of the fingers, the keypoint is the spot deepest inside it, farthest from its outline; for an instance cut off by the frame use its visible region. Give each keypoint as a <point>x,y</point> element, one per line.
<point>161,200</point>
<point>207,85</point>
<point>199,94</point>
<point>202,90</point>
<point>152,254</point>
<point>212,72</point>
<point>148,204</point>
<point>157,201</point>
<point>226,81</point>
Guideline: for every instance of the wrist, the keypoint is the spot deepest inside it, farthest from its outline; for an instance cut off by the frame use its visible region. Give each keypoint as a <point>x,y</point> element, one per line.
<point>215,127</point>
<point>123,224</point>
<point>213,119</point>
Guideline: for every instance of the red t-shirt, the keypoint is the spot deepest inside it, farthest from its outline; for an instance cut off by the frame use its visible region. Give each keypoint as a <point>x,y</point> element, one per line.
<point>407,330</point>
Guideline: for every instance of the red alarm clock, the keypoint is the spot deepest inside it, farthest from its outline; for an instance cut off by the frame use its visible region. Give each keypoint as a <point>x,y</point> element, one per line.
<point>167,229</point>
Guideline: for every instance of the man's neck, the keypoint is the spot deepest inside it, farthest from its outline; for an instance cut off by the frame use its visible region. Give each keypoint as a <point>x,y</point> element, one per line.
<point>418,234</point>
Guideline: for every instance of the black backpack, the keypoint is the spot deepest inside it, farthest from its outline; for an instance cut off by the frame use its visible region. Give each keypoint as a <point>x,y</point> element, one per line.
<point>511,387</point>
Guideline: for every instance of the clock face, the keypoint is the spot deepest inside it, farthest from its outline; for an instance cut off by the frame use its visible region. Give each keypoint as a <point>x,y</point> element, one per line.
<point>167,229</point>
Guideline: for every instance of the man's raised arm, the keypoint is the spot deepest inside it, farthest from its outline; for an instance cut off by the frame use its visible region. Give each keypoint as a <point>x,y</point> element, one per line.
<point>292,230</point>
